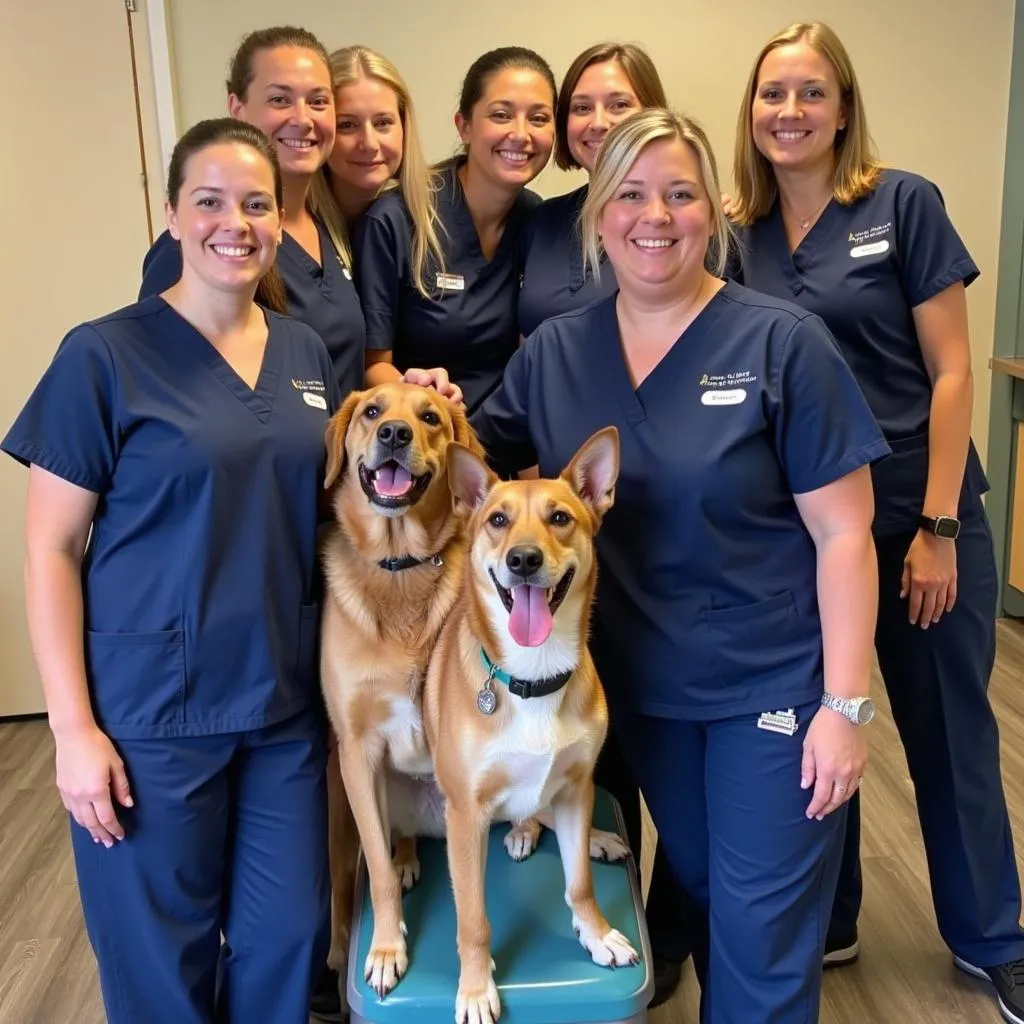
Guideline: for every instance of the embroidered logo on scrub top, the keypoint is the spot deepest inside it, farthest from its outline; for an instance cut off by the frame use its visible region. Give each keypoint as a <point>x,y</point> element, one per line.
<point>869,242</point>
<point>723,389</point>
<point>451,282</point>
<point>309,385</point>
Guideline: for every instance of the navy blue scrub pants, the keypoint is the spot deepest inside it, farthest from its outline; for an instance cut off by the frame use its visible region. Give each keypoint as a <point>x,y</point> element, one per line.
<point>674,922</point>
<point>726,800</point>
<point>228,833</point>
<point>937,680</point>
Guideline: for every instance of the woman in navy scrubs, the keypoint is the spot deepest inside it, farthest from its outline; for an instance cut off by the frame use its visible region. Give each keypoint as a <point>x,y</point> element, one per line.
<point>457,308</point>
<point>604,84</point>
<point>280,82</point>
<point>178,643</point>
<point>872,251</point>
<point>737,570</point>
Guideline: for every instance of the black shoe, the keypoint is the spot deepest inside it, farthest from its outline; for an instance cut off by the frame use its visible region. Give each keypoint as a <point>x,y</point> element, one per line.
<point>325,1002</point>
<point>841,950</point>
<point>667,975</point>
<point>1007,980</point>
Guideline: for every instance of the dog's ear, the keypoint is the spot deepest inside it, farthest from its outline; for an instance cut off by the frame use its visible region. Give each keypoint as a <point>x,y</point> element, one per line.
<point>464,433</point>
<point>469,477</point>
<point>594,469</point>
<point>337,428</point>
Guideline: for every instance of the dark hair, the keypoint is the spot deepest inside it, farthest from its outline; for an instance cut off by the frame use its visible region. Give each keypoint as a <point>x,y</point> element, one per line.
<point>494,61</point>
<point>638,68</point>
<point>217,131</point>
<point>241,73</point>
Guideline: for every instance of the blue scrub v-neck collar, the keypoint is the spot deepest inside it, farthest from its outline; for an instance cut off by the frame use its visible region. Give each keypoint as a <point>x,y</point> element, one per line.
<point>259,400</point>
<point>327,271</point>
<point>795,263</point>
<point>454,195</point>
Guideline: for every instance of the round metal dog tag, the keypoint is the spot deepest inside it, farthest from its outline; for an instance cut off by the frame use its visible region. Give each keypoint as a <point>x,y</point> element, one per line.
<point>487,701</point>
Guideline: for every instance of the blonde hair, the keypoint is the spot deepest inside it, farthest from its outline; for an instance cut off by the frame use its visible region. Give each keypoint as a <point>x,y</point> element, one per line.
<point>622,146</point>
<point>416,181</point>
<point>857,167</point>
<point>637,67</point>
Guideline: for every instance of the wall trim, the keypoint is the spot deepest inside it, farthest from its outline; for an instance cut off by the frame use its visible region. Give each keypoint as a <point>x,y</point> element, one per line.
<point>163,81</point>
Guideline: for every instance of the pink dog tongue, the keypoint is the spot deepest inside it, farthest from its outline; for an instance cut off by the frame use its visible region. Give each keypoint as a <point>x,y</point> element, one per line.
<point>530,622</point>
<point>392,481</point>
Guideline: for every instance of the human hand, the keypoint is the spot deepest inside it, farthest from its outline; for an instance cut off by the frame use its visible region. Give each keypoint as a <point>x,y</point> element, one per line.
<point>929,578</point>
<point>437,378</point>
<point>835,754</point>
<point>90,777</point>
<point>728,205</point>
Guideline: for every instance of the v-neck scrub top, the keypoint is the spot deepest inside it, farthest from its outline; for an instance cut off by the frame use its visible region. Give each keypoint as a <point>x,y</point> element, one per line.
<point>199,577</point>
<point>553,278</point>
<point>706,597</point>
<point>468,325</point>
<point>322,295</point>
<point>863,268</point>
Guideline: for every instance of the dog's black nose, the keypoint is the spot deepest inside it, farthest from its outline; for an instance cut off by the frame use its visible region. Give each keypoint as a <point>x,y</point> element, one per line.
<point>524,560</point>
<point>394,433</point>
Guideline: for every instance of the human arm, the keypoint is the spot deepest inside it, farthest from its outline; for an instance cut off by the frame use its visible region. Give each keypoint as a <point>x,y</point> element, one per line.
<point>838,518</point>
<point>90,773</point>
<point>161,267</point>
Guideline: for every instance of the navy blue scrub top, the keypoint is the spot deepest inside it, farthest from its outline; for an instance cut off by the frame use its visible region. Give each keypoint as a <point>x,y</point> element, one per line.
<point>200,575</point>
<point>706,599</point>
<point>863,268</point>
<point>469,326</point>
<point>323,297</point>
<point>553,280</point>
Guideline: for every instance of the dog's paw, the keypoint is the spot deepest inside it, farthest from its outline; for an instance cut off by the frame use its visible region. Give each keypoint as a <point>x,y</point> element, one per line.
<point>385,965</point>
<point>407,867</point>
<point>477,1005</point>
<point>607,846</point>
<point>521,840</point>
<point>611,949</point>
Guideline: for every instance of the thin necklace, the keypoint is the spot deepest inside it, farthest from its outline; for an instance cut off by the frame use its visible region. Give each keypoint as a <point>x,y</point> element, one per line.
<point>805,224</point>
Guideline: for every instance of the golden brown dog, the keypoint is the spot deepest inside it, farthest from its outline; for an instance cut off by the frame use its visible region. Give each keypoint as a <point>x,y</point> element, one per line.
<point>393,564</point>
<point>514,711</point>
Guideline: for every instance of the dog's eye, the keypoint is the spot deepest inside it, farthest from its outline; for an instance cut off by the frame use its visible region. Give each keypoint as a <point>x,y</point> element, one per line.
<point>371,412</point>
<point>498,520</point>
<point>560,518</point>
<point>431,417</point>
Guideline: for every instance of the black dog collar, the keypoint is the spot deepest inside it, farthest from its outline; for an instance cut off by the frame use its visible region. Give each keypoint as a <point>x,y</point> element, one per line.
<point>409,562</point>
<point>525,688</point>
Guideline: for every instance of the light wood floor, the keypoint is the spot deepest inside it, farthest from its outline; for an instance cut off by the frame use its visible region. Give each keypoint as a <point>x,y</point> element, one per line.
<point>904,976</point>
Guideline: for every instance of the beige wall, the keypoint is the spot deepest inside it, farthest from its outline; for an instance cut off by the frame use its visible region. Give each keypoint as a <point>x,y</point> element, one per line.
<point>935,75</point>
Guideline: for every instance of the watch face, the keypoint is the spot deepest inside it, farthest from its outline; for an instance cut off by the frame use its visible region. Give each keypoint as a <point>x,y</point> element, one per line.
<point>947,527</point>
<point>866,711</point>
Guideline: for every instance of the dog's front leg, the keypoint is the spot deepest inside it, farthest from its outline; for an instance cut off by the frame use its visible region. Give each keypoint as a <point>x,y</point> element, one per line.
<point>477,999</point>
<point>362,768</point>
<point>344,858</point>
<point>572,811</point>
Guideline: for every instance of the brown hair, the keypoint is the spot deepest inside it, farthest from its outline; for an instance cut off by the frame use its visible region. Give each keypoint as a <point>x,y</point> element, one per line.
<point>639,69</point>
<point>857,167</point>
<point>214,132</point>
<point>241,71</point>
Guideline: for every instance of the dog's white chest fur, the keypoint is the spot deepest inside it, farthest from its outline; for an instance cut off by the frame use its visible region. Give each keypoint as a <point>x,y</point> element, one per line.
<point>534,752</point>
<point>407,745</point>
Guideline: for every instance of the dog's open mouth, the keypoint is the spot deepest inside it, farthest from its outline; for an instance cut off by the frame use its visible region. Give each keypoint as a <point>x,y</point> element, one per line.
<point>531,610</point>
<point>392,485</point>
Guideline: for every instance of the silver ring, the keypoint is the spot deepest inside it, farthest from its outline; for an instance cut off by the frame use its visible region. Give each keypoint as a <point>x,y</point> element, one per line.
<point>838,788</point>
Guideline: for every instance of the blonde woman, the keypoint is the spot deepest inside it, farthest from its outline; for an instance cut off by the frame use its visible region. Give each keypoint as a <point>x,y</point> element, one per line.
<point>872,251</point>
<point>736,600</point>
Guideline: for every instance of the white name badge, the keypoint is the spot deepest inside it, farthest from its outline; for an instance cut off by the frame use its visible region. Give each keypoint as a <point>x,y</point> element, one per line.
<point>871,249</point>
<point>317,401</point>
<point>731,397</point>
<point>451,282</point>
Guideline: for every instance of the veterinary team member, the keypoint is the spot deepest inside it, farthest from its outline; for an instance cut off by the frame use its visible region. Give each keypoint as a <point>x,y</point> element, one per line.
<point>462,314</point>
<point>709,622</point>
<point>604,84</point>
<point>280,81</point>
<point>873,253</point>
<point>177,644</point>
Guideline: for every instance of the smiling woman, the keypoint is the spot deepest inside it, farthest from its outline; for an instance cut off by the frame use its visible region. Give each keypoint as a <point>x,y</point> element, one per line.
<point>456,307</point>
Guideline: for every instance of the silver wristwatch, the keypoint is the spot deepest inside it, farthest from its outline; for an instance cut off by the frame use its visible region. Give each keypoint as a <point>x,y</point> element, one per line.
<point>859,710</point>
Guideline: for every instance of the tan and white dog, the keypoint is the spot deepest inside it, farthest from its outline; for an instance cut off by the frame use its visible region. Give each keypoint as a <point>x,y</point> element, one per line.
<point>514,710</point>
<point>393,562</point>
